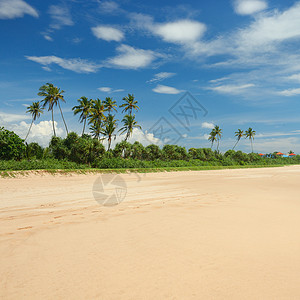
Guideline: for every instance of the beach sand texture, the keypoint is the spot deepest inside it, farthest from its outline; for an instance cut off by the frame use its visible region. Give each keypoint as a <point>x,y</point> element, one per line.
<point>227,234</point>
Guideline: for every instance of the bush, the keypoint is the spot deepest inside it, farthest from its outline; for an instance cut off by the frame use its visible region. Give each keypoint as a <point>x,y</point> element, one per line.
<point>34,150</point>
<point>86,150</point>
<point>153,152</point>
<point>11,145</point>
<point>57,148</point>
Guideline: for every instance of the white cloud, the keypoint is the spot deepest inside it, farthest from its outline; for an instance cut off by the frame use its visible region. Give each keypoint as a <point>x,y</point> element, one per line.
<point>207,125</point>
<point>105,89</point>
<point>132,58</point>
<point>109,90</point>
<point>231,89</point>
<point>295,77</point>
<point>261,43</point>
<point>182,31</point>
<point>161,76</point>
<point>40,132</point>
<point>60,16</point>
<point>179,32</point>
<point>249,7</point>
<point>138,135</point>
<point>10,9</point>
<point>269,145</point>
<point>289,92</point>
<point>48,37</point>
<point>77,65</point>
<point>7,117</point>
<point>218,79</point>
<point>108,33</point>
<point>109,7</point>
<point>164,89</point>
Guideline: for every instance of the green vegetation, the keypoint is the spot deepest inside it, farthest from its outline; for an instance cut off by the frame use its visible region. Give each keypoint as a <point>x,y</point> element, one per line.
<point>87,153</point>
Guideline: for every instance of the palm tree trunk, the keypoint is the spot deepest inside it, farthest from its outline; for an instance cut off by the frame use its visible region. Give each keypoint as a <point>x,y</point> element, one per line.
<point>29,130</point>
<point>251,144</point>
<point>235,144</point>
<point>109,142</point>
<point>63,118</point>
<point>53,122</point>
<point>83,126</point>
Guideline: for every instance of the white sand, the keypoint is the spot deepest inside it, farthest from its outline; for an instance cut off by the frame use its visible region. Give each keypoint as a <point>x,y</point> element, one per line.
<point>230,234</point>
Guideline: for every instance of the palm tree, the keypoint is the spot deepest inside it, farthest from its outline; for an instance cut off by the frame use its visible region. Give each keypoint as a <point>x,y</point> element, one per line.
<point>97,115</point>
<point>96,130</point>
<point>35,110</point>
<point>239,134</point>
<point>110,104</point>
<point>129,124</point>
<point>250,133</point>
<point>129,104</point>
<point>212,137</point>
<point>109,129</point>
<point>53,96</point>
<point>84,107</point>
<point>218,134</point>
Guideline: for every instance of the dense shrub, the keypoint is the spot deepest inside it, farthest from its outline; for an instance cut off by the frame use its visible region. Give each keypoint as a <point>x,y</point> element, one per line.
<point>153,152</point>
<point>57,148</point>
<point>34,150</point>
<point>11,145</point>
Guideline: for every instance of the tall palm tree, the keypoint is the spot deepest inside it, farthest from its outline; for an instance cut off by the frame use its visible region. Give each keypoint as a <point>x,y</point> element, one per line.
<point>35,110</point>
<point>84,108</point>
<point>97,116</point>
<point>110,104</point>
<point>129,123</point>
<point>52,97</point>
<point>129,104</point>
<point>239,134</point>
<point>109,128</point>
<point>218,134</point>
<point>212,137</point>
<point>250,133</point>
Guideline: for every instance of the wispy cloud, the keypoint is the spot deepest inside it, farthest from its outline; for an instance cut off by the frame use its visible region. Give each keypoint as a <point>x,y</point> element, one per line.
<point>231,89</point>
<point>289,92</point>
<point>164,89</point>
<point>132,58</point>
<point>9,118</point>
<point>108,33</point>
<point>207,125</point>
<point>11,9</point>
<point>161,76</point>
<point>77,65</point>
<point>109,7</point>
<point>109,90</point>
<point>60,16</point>
<point>249,7</point>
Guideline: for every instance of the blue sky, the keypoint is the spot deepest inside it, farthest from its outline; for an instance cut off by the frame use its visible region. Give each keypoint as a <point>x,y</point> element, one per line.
<point>239,59</point>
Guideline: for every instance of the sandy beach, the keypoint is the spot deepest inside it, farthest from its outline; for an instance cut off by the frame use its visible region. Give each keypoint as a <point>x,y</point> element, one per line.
<point>227,234</point>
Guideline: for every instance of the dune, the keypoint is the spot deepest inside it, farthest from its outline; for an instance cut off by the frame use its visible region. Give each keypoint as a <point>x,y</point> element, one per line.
<point>224,234</point>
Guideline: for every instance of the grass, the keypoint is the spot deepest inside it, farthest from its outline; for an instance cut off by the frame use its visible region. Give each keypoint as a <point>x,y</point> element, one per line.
<point>14,173</point>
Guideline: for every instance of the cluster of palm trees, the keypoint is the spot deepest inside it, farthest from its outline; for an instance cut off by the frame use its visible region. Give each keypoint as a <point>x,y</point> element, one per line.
<point>105,126</point>
<point>52,97</point>
<point>91,111</point>
<point>216,134</point>
<point>102,125</point>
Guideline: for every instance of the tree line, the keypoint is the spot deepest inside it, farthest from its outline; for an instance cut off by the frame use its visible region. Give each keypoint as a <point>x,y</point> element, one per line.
<point>98,114</point>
